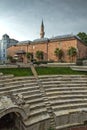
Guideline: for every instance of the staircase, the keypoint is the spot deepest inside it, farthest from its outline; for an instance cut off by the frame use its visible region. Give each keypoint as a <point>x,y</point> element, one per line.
<point>46,101</point>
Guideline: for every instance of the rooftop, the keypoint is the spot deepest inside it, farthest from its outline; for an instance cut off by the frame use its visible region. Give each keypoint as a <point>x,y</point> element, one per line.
<point>22,42</point>
<point>56,38</point>
<point>61,37</point>
<point>40,40</point>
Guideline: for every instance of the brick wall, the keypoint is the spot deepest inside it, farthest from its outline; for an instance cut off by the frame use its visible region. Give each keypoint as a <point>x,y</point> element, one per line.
<point>49,47</point>
<point>82,50</point>
<point>64,45</point>
<point>39,46</point>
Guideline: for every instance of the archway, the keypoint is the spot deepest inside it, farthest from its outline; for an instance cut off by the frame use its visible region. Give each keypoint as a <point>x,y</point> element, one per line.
<point>8,122</point>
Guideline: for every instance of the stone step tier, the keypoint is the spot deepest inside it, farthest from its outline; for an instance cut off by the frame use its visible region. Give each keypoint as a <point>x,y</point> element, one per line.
<point>28,87</point>
<point>66,94</point>
<point>68,98</point>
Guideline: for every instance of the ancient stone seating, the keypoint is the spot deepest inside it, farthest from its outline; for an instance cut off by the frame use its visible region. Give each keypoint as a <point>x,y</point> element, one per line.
<point>66,95</point>
<point>29,88</point>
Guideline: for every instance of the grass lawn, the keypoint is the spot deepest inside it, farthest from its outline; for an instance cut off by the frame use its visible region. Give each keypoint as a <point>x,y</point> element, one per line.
<point>40,71</point>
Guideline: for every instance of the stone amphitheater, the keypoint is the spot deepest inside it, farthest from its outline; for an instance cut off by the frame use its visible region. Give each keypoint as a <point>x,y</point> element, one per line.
<point>51,102</point>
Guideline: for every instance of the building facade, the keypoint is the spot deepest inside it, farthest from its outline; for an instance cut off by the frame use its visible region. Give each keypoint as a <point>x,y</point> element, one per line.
<point>5,42</point>
<point>48,47</point>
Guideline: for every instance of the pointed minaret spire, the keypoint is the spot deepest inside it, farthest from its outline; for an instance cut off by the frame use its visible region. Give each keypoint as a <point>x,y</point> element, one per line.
<point>42,33</point>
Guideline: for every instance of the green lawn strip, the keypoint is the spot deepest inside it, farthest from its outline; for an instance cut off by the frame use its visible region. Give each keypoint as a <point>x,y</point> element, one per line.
<point>57,70</point>
<point>40,71</point>
<point>17,71</point>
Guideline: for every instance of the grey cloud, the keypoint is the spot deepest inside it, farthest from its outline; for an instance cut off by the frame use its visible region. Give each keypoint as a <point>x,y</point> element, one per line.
<point>60,16</point>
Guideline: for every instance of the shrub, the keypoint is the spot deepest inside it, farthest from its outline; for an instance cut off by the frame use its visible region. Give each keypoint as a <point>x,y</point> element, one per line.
<point>40,62</point>
<point>59,53</point>
<point>50,128</point>
<point>29,56</point>
<point>39,55</point>
<point>72,52</point>
<point>79,62</point>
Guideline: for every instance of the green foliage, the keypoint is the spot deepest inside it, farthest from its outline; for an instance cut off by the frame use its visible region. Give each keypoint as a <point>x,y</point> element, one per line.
<point>50,128</point>
<point>40,71</point>
<point>40,62</point>
<point>39,55</point>
<point>29,56</point>
<point>83,36</point>
<point>79,62</point>
<point>59,53</point>
<point>9,57</point>
<point>72,52</point>
<point>17,71</point>
<point>56,70</point>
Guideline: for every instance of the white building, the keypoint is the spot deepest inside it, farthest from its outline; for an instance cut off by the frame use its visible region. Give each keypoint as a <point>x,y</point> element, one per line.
<point>5,42</point>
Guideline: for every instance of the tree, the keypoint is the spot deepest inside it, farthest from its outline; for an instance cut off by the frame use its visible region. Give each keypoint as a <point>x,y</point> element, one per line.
<point>11,59</point>
<point>29,56</point>
<point>39,55</point>
<point>72,52</point>
<point>59,53</point>
<point>83,36</point>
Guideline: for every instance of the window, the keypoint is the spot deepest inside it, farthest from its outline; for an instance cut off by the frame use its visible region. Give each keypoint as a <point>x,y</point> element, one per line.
<point>3,55</point>
<point>3,50</point>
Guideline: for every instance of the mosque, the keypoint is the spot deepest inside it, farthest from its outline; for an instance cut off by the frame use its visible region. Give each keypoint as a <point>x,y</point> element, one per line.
<point>48,46</point>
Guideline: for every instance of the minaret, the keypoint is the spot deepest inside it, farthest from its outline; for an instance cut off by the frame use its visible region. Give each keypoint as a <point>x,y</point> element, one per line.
<point>42,33</point>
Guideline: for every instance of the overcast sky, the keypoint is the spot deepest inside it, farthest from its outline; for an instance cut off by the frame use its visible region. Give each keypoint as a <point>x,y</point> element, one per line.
<point>21,19</point>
